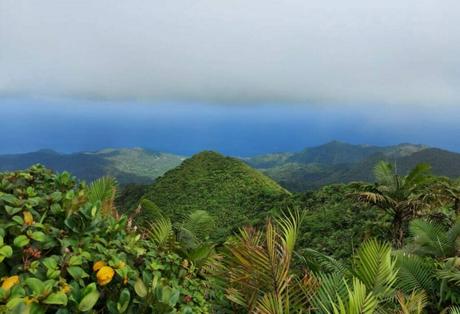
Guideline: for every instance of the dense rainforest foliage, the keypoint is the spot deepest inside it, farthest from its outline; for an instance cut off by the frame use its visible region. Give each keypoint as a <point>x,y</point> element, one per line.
<point>392,246</point>
<point>227,188</point>
<point>338,162</point>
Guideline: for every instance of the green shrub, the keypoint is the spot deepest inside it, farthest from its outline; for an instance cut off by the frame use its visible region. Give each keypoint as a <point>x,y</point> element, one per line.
<point>60,253</point>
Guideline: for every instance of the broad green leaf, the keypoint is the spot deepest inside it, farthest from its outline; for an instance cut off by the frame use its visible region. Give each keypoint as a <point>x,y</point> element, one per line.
<point>89,288</point>
<point>38,236</point>
<point>12,210</point>
<point>21,241</point>
<point>6,251</point>
<point>123,301</point>
<point>18,219</point>
<point>36,285</point>
<point>53,273</point>
<point>75,260</point>
<point>13,302</point>
<point>140,288</point>
<point>77,272</point>
<point>10,199</point>
<point>50,263</point>
<point>58,298</point>
<point>88,301</point>
<point>174,297</point>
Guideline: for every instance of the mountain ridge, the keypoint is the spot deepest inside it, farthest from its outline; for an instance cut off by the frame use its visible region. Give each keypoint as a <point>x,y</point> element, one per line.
<point>310,168</point>
<point>126,164</point>
<point>300,176</point>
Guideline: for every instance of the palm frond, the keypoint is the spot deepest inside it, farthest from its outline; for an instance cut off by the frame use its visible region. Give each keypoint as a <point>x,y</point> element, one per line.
<point>429,239</point>
<point>379,199</point>
<point>454,310</point>
<point>450,270</point>
<point>160,232</point>
<point>415,273</point>
<point>271,303</point>
<point>289,223</point>
<point>321,262</point>
<point>258,267</point>
<point>360,301</point>
<point>200,255</point>
<point>453,236</point>
<point>103,191</point>
<point>196,228</point>
<point>384,173</point>
<point>332,288</point>
<point>148,212</point>
<point>413,303</point>
<point>417,176</point>
<point>375,266</point>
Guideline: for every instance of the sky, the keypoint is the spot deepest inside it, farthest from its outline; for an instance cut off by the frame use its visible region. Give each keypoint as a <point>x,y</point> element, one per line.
<point>196,74</point>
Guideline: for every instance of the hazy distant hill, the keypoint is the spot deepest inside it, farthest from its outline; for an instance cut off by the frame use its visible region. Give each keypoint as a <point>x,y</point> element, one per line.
<point>338,162</point>
<point>333,153</point>
<point>127,164</point>
<point>226,187</point>
<point>443,163</point>
<point>334,162</point>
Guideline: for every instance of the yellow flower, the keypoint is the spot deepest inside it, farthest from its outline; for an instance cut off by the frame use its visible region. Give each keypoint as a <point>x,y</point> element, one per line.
<point>28,218</point>
<point>105,275</point>
<point>98,265</point>
<point>121,265</point>
<point>66,288</point>
<point>10,282</point>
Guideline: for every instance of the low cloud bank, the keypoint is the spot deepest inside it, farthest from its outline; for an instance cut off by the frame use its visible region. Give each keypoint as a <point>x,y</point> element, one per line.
<point>233,51</point>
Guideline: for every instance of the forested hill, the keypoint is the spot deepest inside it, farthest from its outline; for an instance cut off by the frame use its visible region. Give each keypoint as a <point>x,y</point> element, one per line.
<point>334,153</point>
<point>338,162</point>
<point>127,164</point>
<point>231,191</point>
<point>334,162</point>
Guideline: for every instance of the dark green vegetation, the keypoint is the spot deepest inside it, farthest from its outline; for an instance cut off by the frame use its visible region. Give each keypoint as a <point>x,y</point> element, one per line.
<point>216,236</point>
<point>65,249</point>
<point>232,192</point>
<point>134,165</point>
<point>335,162</point>
<point>338,162</point>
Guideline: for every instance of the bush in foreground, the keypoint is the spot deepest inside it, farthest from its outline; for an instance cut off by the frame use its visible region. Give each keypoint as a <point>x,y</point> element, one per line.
<point>63,249</point>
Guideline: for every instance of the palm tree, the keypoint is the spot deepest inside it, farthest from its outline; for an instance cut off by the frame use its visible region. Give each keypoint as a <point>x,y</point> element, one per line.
<point>367,286</point>
<point>258,273</point>
<point>400,196</point>
<point>434,240</point>
<point>429,263</point>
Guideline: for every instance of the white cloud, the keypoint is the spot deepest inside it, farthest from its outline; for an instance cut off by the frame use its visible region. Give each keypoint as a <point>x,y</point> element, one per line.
<point>329,51</point>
